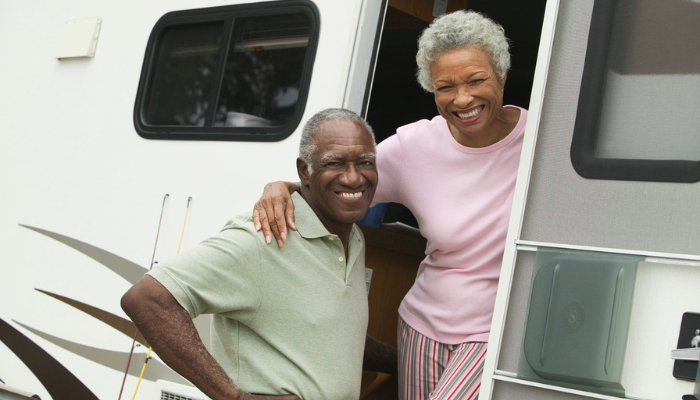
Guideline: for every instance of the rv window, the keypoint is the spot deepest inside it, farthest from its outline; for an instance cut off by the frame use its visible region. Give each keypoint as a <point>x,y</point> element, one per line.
<point>637,114</point>
<point>228,73</point>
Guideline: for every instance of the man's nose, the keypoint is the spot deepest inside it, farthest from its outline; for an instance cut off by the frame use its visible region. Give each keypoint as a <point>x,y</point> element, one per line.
<point>351,177</point>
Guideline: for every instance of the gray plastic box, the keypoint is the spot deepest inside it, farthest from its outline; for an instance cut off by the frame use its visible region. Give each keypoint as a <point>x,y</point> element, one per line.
<point>578,319</point>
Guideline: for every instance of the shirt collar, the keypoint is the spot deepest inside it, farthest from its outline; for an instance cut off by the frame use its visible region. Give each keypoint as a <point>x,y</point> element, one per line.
<point>308,224</point>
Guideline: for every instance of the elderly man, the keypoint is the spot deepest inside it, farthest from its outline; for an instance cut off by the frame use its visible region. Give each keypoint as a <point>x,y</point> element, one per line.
<point>286,322</point>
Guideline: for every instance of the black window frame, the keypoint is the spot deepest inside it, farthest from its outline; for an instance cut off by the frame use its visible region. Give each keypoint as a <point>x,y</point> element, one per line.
<point>227,15</point>
<point>588,115</point>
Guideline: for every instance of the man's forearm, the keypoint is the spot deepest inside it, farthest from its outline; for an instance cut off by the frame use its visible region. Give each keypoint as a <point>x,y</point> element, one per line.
<point>173,336</point>
<point>379,357</point>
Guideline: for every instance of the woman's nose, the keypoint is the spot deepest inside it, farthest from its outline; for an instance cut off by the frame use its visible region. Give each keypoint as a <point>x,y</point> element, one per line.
<point>463,97</point>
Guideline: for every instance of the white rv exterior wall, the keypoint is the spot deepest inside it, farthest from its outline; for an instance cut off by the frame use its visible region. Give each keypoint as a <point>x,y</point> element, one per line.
<point>73,164</point>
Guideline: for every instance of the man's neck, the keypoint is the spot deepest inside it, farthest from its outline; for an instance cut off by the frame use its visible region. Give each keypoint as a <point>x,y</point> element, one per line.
<point>342,230</point>
<point>345,239</point>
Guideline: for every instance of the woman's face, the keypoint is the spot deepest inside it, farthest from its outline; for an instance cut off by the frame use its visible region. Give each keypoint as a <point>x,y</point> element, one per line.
<point>469,95</point>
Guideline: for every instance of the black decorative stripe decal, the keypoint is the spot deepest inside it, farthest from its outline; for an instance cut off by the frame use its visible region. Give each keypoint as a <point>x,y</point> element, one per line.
<point>57,380</point>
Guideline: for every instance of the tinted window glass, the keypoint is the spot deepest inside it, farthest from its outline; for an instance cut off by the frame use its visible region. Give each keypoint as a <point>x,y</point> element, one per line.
<point>637,114</point>
<point>263,71</point>
<point>183,75</point>
<point>228,73</point>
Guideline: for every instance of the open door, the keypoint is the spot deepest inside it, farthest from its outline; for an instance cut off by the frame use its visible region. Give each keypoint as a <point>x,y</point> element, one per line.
<point>609,172</point>
<point>397,99</point>
<point>394,99</point>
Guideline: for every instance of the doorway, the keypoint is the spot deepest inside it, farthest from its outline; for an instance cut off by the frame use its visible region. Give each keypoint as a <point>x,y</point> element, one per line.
<point>397,99</point>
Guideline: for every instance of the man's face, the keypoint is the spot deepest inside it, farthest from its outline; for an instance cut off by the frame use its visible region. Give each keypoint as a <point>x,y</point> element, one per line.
<point>344,177</point>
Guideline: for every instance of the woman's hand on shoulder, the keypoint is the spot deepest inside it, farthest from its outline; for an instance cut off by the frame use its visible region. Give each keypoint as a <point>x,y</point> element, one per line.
<point>274,211</point>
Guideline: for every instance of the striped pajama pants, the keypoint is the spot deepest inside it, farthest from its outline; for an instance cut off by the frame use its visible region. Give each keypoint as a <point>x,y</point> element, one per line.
<point>430,370</point>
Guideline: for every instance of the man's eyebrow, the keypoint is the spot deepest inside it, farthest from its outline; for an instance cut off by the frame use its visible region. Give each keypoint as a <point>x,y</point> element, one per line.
<point>368,155</point>
<point>341,157</point>
<point>331,157</point>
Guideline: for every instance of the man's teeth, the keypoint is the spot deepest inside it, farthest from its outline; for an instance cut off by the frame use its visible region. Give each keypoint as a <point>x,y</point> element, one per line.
<point>470,114</point>
<point>351,195</point>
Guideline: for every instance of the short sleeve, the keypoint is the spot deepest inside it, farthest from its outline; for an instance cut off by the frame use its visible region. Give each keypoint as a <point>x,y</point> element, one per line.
<point>389,168</point>
<point>219,275</point>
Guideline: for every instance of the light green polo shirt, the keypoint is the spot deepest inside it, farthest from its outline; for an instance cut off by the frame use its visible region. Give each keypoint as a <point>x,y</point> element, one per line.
<point>290,320</point>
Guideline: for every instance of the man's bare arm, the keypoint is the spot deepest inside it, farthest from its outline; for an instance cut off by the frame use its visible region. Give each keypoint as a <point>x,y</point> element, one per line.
<point>173,336</point>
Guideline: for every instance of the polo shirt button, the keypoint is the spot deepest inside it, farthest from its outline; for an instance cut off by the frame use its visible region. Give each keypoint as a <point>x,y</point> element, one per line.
<point>340,259</point>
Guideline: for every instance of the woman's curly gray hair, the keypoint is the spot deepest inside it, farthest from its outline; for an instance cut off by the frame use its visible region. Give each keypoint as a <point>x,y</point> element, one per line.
<point>457,30</point>
<point>307,144</point>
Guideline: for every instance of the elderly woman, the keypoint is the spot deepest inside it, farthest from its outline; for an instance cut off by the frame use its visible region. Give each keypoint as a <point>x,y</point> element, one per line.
<point>456,173</point>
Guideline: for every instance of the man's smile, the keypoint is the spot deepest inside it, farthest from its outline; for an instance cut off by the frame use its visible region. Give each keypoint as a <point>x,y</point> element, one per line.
<point>350,195</point>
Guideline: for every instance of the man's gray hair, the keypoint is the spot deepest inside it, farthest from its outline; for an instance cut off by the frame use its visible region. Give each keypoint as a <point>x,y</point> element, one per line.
<point>457,30</point>
<point>307,145</point>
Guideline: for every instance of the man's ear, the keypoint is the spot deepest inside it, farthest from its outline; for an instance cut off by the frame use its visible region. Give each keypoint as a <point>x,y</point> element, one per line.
<point>303,172</point>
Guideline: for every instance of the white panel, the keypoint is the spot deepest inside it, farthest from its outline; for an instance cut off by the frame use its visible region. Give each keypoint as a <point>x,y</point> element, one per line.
<point>660,299</point>
<point>79,38</point>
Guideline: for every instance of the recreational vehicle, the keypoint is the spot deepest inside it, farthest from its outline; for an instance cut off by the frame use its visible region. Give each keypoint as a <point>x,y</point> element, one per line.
<point>135,129</point>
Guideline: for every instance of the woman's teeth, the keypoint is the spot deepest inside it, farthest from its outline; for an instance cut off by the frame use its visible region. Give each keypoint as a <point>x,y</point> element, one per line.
<point>470,114</point>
